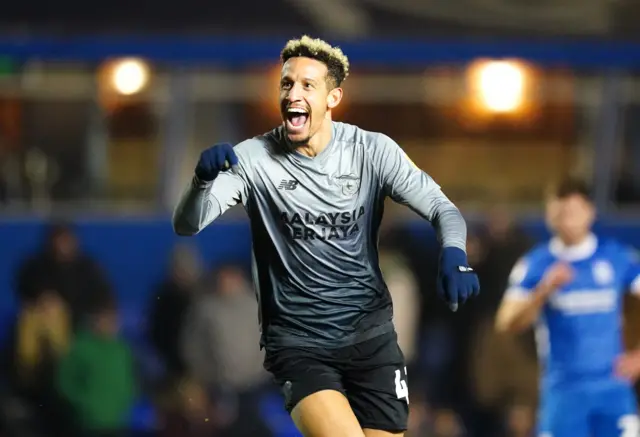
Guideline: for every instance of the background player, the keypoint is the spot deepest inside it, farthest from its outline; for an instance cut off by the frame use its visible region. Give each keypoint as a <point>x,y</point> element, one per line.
<point>573,287</point>
<point>314,191</point>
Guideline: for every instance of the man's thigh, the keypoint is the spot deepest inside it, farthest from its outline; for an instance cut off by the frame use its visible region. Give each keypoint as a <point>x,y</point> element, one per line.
<point>326,413</point>
<point>564,413</point>
<point>615,412</point>
<point>300,373</point>
<point>375,380</point>
<point>313,393</point>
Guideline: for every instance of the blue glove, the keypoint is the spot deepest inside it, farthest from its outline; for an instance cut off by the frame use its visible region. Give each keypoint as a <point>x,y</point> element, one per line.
<point>215,159</point>
<point>457,282</point>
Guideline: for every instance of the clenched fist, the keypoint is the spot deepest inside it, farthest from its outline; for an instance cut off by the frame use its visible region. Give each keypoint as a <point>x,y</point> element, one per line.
<point>557,276</point>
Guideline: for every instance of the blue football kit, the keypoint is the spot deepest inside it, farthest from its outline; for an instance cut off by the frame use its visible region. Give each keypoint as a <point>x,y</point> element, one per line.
<point>579,337</point>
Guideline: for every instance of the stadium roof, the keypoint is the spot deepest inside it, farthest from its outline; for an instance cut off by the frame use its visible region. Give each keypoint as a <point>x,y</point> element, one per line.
<point>353,18</point>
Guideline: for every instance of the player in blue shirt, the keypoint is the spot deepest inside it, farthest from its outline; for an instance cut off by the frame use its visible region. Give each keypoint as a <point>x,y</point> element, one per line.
<point>571,288</point>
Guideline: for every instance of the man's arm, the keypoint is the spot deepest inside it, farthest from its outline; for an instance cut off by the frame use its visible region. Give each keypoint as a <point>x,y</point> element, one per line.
<point>527,294</point>
<point>519,312</point>
<point>408,185</point>
<point>203,202</point>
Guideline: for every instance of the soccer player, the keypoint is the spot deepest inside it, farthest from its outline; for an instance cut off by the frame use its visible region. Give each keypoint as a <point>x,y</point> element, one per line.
<point>572,288</point>
<point>314,191</point>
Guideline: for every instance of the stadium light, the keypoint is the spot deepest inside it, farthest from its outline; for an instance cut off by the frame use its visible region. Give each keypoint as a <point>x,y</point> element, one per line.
<point>129,76</point>
<point>500,85</point>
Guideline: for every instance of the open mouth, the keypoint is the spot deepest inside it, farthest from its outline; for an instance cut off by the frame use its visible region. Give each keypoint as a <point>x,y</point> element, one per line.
<point>296,118</point>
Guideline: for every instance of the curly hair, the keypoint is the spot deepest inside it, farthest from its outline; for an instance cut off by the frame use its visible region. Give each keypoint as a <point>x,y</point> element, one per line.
<point>336,61</point>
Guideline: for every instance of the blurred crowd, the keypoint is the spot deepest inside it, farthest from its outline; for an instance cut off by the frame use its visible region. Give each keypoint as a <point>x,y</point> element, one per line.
<point>69,369</point>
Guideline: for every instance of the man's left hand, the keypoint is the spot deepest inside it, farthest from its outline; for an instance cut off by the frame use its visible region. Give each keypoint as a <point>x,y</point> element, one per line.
<point>457,281</point>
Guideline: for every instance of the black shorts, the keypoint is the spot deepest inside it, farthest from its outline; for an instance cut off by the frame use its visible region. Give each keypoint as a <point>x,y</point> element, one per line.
<point>371,374</point>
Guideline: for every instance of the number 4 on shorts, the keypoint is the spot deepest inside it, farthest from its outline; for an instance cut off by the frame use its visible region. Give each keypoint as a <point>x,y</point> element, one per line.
<point>402,391</point>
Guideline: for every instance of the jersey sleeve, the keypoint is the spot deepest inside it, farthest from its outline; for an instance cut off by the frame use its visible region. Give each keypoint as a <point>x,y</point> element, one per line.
<point>203,202</point>
<point>408,185</point>
<point>523,279</point>
<point>632,272</point>
<point>228,190</point>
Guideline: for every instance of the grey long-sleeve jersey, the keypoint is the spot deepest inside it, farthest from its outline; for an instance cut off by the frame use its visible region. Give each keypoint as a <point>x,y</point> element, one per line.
<point>314,224</point>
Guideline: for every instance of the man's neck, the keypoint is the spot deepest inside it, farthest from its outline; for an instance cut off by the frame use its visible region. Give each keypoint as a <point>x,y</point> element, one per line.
<point>319,141</point>
<point>572,242</point>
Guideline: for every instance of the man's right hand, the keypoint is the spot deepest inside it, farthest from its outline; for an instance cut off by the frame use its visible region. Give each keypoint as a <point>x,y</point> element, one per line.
<point>215,159</point>
<point>557,276</point>
<point>515,315</point>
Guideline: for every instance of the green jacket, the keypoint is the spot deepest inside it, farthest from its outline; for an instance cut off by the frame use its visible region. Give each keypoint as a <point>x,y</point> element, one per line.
<point>97,379</point>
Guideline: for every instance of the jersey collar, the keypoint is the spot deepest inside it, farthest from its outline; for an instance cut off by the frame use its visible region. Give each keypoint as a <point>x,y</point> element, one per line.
<point>577,252</point>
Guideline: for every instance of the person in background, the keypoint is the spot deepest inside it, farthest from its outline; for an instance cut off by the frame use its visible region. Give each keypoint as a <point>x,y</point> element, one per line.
<point>169,307</point>
<point>504,242</point>
<point>405,295</point>
<point>220,344</point>
<point>74,275</point>
<point>97,377</point>
<point>571,288</point>
<point>500,399</point>
<point>40,338</point>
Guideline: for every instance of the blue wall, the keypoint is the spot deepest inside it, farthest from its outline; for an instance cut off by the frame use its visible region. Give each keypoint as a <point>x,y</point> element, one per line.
<point>135,253</point>
<point>252,51</point>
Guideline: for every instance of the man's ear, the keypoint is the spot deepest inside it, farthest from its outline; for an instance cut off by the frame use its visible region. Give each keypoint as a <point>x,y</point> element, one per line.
<point>334,98</point>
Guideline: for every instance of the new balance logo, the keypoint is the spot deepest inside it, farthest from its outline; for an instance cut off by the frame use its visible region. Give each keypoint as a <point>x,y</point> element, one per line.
<point>288,185</point>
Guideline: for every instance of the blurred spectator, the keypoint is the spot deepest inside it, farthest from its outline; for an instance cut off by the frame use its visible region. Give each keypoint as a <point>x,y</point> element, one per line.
<point>221,346</point>
<point>497,391</point>
<point>406,265</point>
<point>426,422</point>
<point>521,420</point>
<point>169,308</point>
<point>403,288</point>
<point>504,242</point>
<point>419,416</point>
<point>72,274</point>
<point>446,423</point>
<point>41,337</point>
<point>187,411</point>
<point>504,399</point>
<point>97,377</point>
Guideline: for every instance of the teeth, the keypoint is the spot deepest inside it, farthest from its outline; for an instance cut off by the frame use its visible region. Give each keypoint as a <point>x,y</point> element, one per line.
<point>297,110</point>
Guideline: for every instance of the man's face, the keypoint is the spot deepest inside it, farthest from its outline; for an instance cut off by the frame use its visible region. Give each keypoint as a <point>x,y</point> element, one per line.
<point>304,98</point>
<point>107,323</point>
<point>231,281</point>
<point>570,217</point>
<point>65,246</point>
